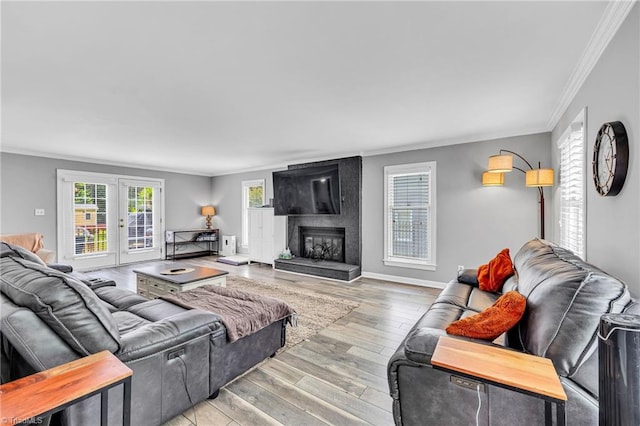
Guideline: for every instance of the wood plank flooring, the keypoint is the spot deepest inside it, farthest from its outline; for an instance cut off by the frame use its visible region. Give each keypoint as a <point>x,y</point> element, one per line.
<point>337,377</point>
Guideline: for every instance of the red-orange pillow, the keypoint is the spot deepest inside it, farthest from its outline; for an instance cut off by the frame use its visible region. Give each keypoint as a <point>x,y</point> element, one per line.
<point>492,276</point>
<point>493,321</point>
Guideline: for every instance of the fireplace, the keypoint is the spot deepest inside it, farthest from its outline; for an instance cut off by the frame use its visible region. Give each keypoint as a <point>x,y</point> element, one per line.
<point>322,243</point>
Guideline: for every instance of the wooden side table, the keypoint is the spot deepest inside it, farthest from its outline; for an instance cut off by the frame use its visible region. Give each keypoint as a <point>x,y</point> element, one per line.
<point>516,371</point>
<point>47,392</point>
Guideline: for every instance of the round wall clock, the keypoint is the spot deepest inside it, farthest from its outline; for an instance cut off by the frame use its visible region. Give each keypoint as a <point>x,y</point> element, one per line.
<point>610,158</point>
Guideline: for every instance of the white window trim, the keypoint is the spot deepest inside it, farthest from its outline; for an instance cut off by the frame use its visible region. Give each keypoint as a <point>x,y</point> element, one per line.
<point>581,118</point>
<point>429,264</point>
<point>244,243</point>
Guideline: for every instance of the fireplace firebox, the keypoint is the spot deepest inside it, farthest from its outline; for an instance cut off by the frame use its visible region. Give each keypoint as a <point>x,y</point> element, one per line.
<point>322,243</point>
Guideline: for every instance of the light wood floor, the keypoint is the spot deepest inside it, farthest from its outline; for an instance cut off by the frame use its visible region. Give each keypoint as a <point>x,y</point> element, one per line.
<point>336,377</point>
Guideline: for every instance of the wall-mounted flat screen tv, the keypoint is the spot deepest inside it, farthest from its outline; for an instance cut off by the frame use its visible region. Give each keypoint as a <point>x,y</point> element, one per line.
<point>306,191</point>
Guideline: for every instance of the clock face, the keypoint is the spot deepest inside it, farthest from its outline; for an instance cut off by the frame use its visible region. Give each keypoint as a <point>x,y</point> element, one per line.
<point>610,157</point>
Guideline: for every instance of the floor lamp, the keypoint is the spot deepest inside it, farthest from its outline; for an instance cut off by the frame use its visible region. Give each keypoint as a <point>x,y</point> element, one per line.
<point>503,163</point>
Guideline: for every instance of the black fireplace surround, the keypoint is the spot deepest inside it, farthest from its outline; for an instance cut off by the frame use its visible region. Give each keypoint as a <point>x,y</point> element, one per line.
<point>329,246</point>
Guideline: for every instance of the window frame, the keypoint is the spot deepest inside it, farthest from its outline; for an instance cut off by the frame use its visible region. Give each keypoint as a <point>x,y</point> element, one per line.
<point>579,120</point>
<point>428,263</point>
<point>246,184</point>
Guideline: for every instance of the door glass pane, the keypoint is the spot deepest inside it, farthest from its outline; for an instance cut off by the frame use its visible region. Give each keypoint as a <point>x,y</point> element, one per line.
<point>140,217</point>
<point>90,217</point>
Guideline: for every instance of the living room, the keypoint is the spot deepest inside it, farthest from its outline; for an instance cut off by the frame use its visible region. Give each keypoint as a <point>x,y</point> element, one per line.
<point>64,106</point>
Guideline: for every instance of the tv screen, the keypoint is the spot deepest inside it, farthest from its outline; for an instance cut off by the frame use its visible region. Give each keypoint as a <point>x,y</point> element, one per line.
<point>310,190</point>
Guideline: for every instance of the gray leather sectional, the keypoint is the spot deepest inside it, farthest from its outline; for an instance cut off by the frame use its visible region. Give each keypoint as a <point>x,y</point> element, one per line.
<point>565,299</point>
<point>179,357</point>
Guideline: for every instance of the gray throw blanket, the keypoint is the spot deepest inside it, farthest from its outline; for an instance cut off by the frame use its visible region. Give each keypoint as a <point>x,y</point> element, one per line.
<point>242,313</point>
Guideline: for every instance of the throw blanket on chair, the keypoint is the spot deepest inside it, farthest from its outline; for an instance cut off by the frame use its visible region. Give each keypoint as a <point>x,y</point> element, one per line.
<point>242,313</point>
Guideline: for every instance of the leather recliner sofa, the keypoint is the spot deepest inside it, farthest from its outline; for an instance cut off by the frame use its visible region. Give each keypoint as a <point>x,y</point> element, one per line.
<point>178,356</point>
<point>565,299</point>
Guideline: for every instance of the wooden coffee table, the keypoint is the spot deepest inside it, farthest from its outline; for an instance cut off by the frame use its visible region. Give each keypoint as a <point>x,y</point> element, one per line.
<point>159,280</point>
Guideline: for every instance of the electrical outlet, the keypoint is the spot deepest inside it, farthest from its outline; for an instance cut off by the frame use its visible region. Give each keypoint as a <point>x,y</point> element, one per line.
<point>460,268</point>
<point>39,212</point>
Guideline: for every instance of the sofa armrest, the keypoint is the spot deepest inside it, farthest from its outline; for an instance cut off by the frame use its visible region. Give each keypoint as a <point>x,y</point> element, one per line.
<point>468,276</point>
<point>61,267</point>
<point>167,333</point>
<point>421,343</point>
<point>38,345</point>
<point>47,256</point>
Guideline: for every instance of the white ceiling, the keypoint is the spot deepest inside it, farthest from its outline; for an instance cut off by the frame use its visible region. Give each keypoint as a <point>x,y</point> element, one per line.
<point>216,87</point>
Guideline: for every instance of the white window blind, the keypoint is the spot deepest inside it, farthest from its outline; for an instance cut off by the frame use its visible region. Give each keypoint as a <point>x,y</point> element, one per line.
<point>572,190</point>
<point>410,215</point>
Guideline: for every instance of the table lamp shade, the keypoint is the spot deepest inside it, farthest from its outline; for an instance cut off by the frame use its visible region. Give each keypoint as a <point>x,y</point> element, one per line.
<point>208,211</point>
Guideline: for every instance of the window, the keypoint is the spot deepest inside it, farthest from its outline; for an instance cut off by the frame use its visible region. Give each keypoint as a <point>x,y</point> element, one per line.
<point>252,196</point>
<point>571,191</point>
<point>410,216</point>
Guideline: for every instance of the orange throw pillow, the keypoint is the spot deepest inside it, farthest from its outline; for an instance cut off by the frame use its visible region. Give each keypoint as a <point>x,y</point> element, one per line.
<point>492,276</point>
<point>493,321</point>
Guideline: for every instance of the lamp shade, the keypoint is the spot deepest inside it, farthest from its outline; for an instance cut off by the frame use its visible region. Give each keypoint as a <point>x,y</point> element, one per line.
<point>500,163</point>
<point>208,211</point>
<point>539,177</point>
<point>492,179</point>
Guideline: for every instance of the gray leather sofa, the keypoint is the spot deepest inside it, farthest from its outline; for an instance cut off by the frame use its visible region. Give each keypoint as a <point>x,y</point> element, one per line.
<point>179,357</point>
<point>565,299</point>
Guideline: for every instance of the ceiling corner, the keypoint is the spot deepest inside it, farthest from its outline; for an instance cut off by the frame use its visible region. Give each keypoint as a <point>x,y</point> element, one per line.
<point>611,20</point>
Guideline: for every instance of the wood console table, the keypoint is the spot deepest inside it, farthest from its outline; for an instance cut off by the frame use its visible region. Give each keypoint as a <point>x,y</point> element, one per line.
<point>516,371</point>
<point>47,392</point>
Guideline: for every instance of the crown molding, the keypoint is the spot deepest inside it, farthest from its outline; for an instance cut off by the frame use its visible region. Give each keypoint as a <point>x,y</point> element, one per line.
<point>33,153</point>
<point>611,20</point>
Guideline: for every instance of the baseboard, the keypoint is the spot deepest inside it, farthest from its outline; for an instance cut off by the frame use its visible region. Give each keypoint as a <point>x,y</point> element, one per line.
<point>404,280</point>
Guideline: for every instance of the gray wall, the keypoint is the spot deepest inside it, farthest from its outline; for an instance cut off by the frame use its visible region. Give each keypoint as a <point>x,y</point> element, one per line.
<point>227,197</point>
<point>612,93</point>
<point>29,182</point>
<point>473,222</point>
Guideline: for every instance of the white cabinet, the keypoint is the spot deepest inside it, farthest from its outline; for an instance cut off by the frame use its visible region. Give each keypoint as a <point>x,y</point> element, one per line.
<point>267,235</point>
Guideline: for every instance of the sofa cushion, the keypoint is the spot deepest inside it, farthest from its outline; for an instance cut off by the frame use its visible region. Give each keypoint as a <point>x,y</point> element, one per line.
<point>492,276</point>
<point>66,305</point>
<point>128,321</point>
<point>565,299</point>
<point>493,321</point>
<point>118,297</point>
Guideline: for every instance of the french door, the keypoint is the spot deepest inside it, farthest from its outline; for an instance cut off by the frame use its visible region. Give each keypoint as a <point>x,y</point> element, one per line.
<point>108,220</point>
